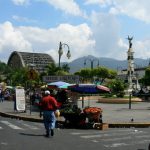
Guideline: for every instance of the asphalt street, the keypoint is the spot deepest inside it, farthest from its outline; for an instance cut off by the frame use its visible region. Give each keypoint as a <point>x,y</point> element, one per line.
<point>23,135</point>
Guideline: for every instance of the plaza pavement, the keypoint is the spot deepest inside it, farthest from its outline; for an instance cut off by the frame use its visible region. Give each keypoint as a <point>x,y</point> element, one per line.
<point>116,115</point>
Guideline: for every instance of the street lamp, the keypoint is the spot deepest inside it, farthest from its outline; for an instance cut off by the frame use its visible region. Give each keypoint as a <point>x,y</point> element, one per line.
<point>92,62</point>
<point>60,51</point>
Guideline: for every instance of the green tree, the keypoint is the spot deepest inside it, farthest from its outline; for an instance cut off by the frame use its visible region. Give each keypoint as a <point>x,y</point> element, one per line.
<point>62,73</point>
<point>103,73</point>
<point>146,79</point>
<point>85,74</point>
<point>100,73</point>
<point>112,74</point>
<point>117,86</point>
<point>52,69</point>
<point>3,67</point>
<point>19,76</point>
<point>65,68</point>
<point>5,70</point>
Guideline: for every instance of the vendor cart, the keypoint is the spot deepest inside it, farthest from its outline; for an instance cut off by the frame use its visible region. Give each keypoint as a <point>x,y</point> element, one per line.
<point>87,116</point>
<point>74,117</point>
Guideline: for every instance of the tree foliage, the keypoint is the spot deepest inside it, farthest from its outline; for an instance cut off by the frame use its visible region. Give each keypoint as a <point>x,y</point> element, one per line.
<point>52,69</point>
<point>65,68</point>
<point>101,73</point>
<point>117,86</point>
<point>85,74</point>
<point>146,79</point>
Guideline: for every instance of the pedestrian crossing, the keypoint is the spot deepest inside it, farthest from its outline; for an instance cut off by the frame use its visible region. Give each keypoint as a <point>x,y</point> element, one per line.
<point>11,125</point>
<point>110,138</point>
<point>20,125</point>
<point>116,138</point>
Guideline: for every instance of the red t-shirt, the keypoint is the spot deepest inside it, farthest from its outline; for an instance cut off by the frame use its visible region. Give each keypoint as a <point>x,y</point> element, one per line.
<point>49,103</point>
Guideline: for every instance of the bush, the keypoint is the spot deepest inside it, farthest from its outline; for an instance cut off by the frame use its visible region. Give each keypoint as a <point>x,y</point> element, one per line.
<point>117,86</point>
<point>120,94</point>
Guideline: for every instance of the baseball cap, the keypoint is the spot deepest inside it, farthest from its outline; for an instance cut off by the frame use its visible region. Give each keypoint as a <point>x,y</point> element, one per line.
<point>47,92</point>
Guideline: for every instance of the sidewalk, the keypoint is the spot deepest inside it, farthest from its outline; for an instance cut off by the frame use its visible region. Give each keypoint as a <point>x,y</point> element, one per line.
<point>120,115</point>
<point>116,115</point>
<point>7,110</point>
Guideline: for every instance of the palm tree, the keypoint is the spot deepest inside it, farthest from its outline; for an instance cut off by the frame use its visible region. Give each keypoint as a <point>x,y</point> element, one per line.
<point>51,69</point>
<point>65,67</point>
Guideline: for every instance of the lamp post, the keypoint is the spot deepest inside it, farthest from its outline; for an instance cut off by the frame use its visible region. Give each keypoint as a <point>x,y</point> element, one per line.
<point>60,51</point>
<point>92,62</point>
<point>130,96</point>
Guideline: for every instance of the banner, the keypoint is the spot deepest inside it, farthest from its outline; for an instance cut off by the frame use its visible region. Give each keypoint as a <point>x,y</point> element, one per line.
<point>20,99</point>
<point>65,78</point>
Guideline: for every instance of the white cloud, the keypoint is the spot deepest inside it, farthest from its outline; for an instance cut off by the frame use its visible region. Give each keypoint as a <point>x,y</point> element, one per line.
<point>46,40</point>
<point>102,3</point>
<point>77,37</point>
<point>68,6</point>
<point>102,40</point>
<point>11,39</point>
<point>106,29</point>
<point>106,33</point>
<point>94,1</point>
<point>141,48</point>
<point>20,2</point>
<point>134,8</point>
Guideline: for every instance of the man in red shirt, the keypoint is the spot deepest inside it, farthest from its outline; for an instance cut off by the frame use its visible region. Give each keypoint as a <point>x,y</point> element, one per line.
<point>49,106</point>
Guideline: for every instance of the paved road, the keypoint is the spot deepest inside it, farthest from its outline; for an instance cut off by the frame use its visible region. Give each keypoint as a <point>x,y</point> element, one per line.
<point>23,135</point>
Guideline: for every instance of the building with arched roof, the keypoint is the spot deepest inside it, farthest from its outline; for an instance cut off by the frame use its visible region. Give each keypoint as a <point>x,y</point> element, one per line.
<point>25,59</point>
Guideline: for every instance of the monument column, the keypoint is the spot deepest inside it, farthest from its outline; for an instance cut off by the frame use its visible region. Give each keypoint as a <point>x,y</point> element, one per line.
<point>130,59</point>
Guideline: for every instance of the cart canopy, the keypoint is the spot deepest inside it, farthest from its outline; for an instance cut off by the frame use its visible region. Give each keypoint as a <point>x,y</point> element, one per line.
<point>89,88</point>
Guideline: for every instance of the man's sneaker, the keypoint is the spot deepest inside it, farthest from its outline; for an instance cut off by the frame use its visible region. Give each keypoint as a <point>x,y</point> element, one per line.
<point>47,134</point>
<point>52,132</point>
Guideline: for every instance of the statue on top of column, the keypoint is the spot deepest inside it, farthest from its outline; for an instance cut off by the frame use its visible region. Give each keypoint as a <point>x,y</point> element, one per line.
<point>130,39</point>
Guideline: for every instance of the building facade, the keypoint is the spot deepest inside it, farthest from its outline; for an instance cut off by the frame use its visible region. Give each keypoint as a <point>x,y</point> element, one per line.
<point>38,61</point>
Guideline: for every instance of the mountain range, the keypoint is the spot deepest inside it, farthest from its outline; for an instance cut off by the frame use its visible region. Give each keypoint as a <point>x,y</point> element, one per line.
<point>110,63</point>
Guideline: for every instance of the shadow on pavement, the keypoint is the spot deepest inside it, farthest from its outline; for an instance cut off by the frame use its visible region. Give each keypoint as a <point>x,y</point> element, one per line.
<point>29,134</point>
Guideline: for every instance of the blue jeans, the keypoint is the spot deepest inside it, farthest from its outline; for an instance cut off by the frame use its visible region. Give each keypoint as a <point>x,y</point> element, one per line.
<point>1,98</point>
<point>49,120</point>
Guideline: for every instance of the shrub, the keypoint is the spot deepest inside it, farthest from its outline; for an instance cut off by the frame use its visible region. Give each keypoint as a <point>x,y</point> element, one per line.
<point>117,86</point>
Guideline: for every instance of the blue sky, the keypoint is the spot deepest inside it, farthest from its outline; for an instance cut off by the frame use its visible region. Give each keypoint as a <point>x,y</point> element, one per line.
<point>89,27</point>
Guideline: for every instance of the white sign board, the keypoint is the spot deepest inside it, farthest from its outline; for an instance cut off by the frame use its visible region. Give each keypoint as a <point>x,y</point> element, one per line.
<point>20,99</point>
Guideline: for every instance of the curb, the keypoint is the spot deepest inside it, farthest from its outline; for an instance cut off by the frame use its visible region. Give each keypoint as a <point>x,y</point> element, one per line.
<point>20,117</point>
<point>129,125</point>
<point>110,125</point>
<point>32,119</point>
<point>118,100</point>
